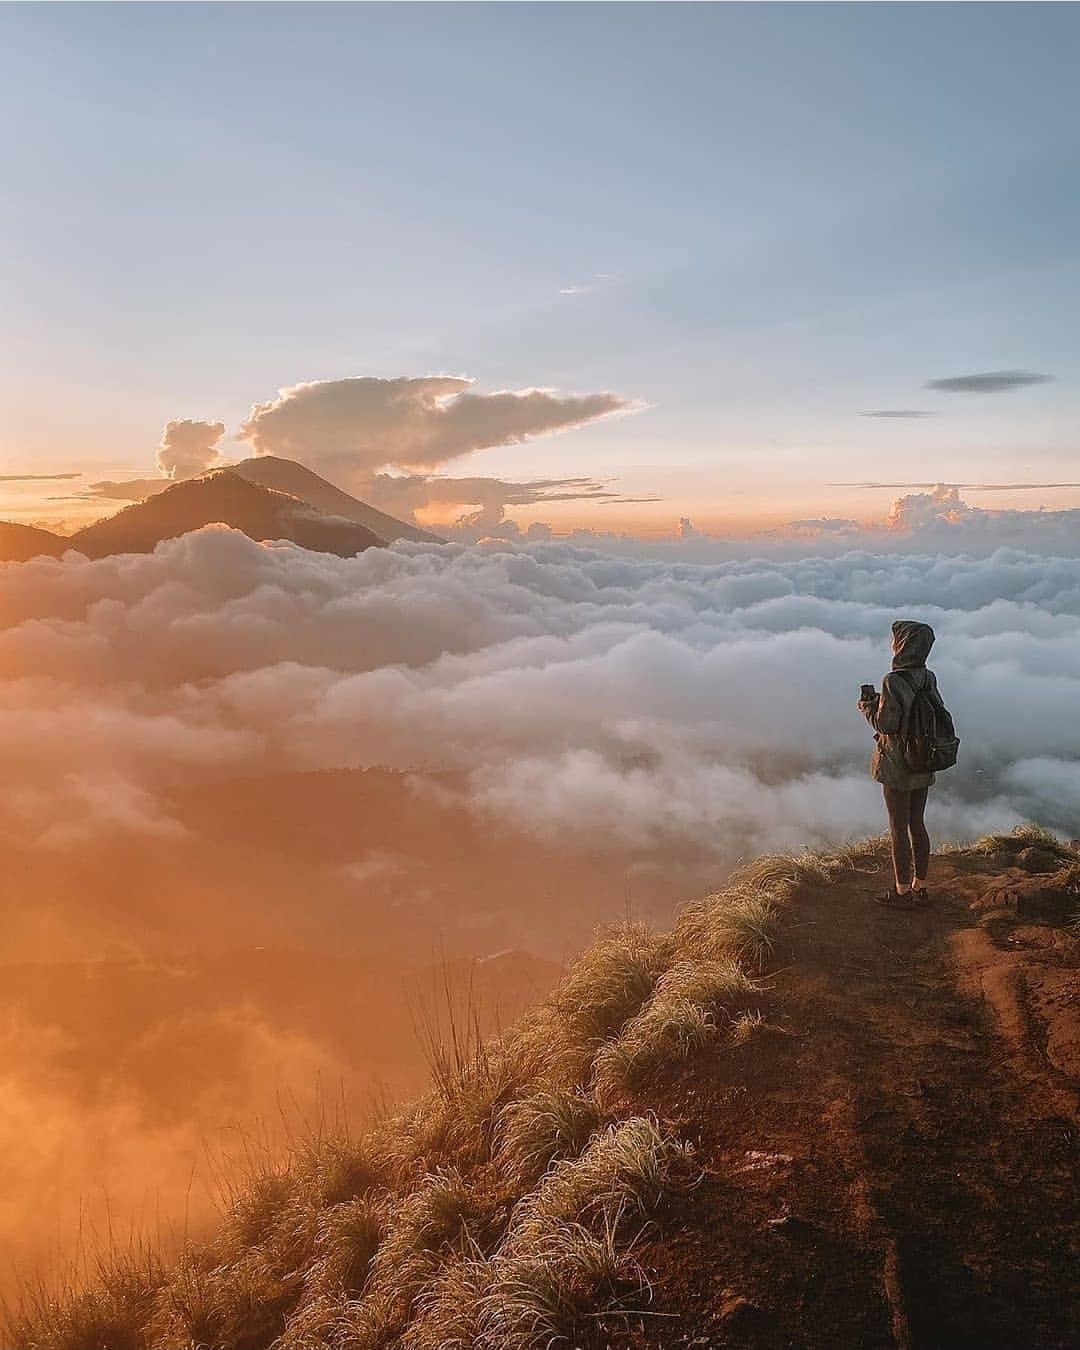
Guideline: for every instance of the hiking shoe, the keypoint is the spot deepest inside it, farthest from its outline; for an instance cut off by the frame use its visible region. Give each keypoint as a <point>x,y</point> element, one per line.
<point>892,899</point>
<point>920,895</point>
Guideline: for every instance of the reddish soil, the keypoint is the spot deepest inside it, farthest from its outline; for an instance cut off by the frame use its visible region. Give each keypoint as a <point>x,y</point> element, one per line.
<point>892,1161</point>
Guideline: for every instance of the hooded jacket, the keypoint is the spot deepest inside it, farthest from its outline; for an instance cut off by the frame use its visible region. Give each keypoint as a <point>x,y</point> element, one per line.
<point>888,711</point>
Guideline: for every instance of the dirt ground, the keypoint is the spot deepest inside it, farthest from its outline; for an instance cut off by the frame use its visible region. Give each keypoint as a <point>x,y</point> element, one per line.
<point>892,1160</point>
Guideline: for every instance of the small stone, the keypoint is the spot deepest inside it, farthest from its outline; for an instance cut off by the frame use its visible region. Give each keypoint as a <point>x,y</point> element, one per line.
<point>1038,859</point>
<point>738,1314</point>
<point>791,1226</point>
<point>764,1162</point>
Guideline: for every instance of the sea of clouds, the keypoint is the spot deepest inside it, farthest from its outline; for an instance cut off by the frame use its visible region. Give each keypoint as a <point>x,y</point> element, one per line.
<point>590,699</point>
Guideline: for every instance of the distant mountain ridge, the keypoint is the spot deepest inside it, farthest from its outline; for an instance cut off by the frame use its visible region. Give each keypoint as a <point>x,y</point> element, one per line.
<point>266,498</point>
<point>225,497</point>
<point>18,543</point>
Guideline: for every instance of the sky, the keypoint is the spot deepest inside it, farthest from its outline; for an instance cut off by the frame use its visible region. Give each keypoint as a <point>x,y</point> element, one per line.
<point>638,272</point>
<point>753,225</point>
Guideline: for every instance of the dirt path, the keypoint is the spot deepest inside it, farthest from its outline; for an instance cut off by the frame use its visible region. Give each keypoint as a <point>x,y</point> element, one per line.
<point>895,1163</point>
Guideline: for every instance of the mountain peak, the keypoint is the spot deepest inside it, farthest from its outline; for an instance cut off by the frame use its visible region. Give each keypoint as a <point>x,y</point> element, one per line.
<point>226,497</point>
<point>287,475</point>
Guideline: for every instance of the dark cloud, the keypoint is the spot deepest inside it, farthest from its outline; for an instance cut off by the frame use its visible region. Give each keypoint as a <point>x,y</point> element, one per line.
<point>362,424</point>
<point>128,490</point>
<point>898,412</point>
<point>37,477</point>
<point>404,495</point>
<point>989,382</point>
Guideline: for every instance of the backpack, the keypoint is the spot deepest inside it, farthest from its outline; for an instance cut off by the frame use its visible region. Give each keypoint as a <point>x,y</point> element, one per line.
<point>928,740</point>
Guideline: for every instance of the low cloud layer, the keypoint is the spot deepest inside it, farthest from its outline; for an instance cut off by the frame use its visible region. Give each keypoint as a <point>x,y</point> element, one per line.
<point>37,477</point>
<point>606,702</point>
<point>354,427</point>
<point>188,448</point>
<point>989,382</point>
<point>403,495</point>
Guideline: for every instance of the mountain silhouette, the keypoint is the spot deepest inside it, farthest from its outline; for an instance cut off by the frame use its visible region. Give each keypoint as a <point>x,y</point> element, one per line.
<point>222,496</point>
<point>264,497</point>
<point>20,542</point>
<point>286,475</point>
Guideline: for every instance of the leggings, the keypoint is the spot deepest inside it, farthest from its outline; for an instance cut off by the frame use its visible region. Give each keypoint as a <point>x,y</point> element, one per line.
<point>908,833</point>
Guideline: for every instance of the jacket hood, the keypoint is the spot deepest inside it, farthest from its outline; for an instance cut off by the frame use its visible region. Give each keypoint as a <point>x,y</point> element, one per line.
<point>911,643</point>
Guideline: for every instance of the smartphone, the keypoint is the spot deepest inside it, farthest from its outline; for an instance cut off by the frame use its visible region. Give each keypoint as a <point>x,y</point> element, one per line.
<point>869,693</point>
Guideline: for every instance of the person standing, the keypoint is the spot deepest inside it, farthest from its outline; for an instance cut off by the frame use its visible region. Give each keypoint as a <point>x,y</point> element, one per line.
<point>914,736</point>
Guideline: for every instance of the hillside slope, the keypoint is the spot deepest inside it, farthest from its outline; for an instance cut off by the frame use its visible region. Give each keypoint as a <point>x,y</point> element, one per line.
<point>795,1120</point>
<point>20,542</point>
<point>225,497</point>
<point>286,475</point>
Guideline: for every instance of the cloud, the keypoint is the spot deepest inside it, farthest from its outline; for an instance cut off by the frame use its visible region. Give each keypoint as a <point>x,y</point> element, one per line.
<point>974,487</point>
<point>403,495</point>
<point>356,426</point>
<point>639,710</point>
<point>127,490</point>
<point>188,448</point>
<point>824,524</point>
<point>898,413</point>
<point>989,382</point>
<point>920,509</point>
<point>541,677</point>
<point>37,477</point>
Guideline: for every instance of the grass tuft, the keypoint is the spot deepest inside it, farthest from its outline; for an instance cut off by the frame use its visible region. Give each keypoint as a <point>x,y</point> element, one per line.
<point>1024,836</point>
<point>110,1316</point>
<point>574,1288</point>
<point>740,923</point>
<point>692,1003</point>
<point>547,1124</point>
<point>608,984</point>
<point>631,1167</point>
<point>447,1310</point>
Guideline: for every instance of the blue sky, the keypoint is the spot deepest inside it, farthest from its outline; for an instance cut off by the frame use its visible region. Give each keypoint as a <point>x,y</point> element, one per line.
<point>771,218</point>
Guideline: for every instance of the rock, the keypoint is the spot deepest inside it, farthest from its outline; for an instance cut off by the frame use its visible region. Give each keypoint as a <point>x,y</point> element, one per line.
<point>764,1162</point>
<point>1038,896</point>
<point>1002,895</point>
<point>740,1316</point>
<point>1048,900</point>
<point>1037,858</point>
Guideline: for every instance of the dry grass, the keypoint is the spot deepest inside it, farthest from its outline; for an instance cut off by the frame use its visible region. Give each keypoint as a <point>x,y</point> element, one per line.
<point>740,923</point>
<point>632,1167</point>
<point>572,1288</point>
<point>242,1306</point>
<point>337,1168</point>
<point>781,874</point>
<point>447,1310</point>
<point>348,1237</point>
<point>608,984</point>
<point>694,1002</point>
<point>496,1212</point>
<point>1024,836</point>
<point>547,1124</point>
<point>861,855</point>
<point>423,1229</point>
<point>109,1316</point>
